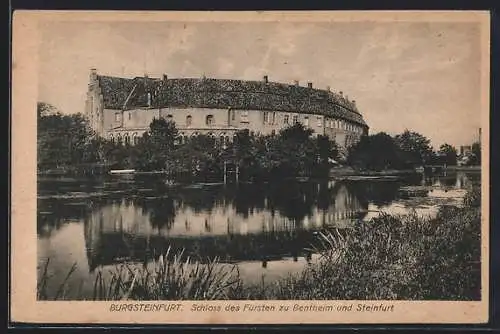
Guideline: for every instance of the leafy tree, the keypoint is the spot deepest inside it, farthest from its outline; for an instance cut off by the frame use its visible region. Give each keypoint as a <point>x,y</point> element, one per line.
<point>63,140</point>
<point>475,158</point>
<point>376,152</point>
<point>416,147</point>
<point>157,144</point>
<point>448,154</point>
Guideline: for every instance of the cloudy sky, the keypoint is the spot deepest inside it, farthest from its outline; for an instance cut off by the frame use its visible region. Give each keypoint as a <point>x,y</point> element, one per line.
<point>420,76</point>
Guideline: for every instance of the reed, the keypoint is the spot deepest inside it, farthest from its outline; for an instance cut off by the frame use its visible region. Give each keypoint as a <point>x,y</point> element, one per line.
<point>405,257</point>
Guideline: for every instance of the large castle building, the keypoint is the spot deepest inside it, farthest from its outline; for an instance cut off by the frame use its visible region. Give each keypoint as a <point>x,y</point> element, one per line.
<point>121,109</point>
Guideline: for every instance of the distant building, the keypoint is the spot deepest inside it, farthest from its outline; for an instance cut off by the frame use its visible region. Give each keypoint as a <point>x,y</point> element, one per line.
<point>121,109</point>
<point>465,150</point>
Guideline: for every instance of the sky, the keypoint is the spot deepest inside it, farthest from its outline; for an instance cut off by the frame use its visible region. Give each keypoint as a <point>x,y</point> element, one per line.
<point>422,76</point>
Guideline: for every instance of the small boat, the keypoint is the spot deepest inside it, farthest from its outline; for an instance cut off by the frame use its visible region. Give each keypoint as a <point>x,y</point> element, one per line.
<point>122,171</point>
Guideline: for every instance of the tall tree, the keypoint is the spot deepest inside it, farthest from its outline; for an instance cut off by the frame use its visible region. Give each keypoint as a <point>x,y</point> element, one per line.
<point>416,147</point>
<point>476,154</point>
<point>448,154</point>
<point>62,140</point>
<point>158,144</point>
<point>376,152</point>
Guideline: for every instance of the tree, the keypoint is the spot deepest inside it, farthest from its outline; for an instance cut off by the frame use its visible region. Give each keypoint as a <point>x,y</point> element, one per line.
<point>416,147</point>
<point>326,149</point>
<point>376,152</point>
<point>45,109</point>
<point>448,154</point>
<point>157,145</point>
<point>63,140</point>
<point>476,154</point>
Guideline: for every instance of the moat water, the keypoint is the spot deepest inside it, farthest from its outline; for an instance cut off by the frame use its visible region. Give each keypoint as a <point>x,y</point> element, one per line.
<point>264,229</point>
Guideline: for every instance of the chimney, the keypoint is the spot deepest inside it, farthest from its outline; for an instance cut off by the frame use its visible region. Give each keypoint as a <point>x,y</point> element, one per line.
<point>146,75</point>
<point>328,88</point>
<point>354,102</point>
<point>341,93</point>
<point>266,79</point>
<point>310,85</point>
<point>93,73</point>
<point>296,82</point>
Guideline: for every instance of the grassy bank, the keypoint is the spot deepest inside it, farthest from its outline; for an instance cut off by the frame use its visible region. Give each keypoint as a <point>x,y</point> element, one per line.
<point>390,257</point>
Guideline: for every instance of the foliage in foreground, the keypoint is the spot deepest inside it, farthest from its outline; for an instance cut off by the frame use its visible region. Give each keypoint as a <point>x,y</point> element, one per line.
<point>404,257</point>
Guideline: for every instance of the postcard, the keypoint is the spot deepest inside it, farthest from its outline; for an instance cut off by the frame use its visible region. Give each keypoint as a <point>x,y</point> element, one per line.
<point>250,167</point>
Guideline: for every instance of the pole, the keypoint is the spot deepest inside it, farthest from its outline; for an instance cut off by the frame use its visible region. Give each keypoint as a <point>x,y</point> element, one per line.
<point>225,172</point>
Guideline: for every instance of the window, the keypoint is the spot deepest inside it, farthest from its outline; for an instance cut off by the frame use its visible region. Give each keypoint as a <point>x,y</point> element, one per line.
<point>170,118</point>
<point>111,138</point>
<point>244,116</point>
<point>306,121</point>
<point>274,118</point>
<point>117,117</point>
<point>266,117</point>
<point>149,99</point>
<point>129,115</point>
<point>135,139</point>
<point>295,119</point>
<point>189,120</point>
<point>286,119</point>
<point>233,114</point>
<point>119,139</point>
<point>319,121</point>
<point>209,120</point>
<point>127,139</point>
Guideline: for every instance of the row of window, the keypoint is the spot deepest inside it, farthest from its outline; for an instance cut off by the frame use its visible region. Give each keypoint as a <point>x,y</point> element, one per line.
<point>270,118</point>
<point>125,139</point>
<point>134,139</point>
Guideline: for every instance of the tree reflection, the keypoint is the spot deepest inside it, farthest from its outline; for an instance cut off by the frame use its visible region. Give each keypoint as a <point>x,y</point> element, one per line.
<point>162,212</point>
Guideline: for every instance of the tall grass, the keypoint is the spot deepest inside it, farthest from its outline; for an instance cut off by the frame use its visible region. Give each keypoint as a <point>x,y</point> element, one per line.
<point>406,257</point>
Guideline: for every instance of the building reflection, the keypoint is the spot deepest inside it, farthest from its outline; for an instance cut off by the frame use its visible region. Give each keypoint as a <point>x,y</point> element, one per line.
<point>247,223</point>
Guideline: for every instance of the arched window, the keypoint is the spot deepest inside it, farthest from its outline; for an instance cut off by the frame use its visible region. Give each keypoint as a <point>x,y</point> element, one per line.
<point>127,139</point>
<point>135,138</point>
<point>306,121</point>
<point>189,120</point>
<point>111,138</point>
<point>119,138</point>
<point>209,120</point>
<point>222,140</point>
<point>170,118</point>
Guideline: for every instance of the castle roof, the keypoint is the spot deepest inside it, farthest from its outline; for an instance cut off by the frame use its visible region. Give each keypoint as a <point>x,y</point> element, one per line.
<point>124,93</point>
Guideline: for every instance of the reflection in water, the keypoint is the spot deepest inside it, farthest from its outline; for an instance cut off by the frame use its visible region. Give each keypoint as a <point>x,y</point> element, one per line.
<point>270,225</point>
<point>247,223</point>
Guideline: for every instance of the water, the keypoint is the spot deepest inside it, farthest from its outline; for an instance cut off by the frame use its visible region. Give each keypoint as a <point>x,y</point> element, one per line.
<point>265,229</point>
